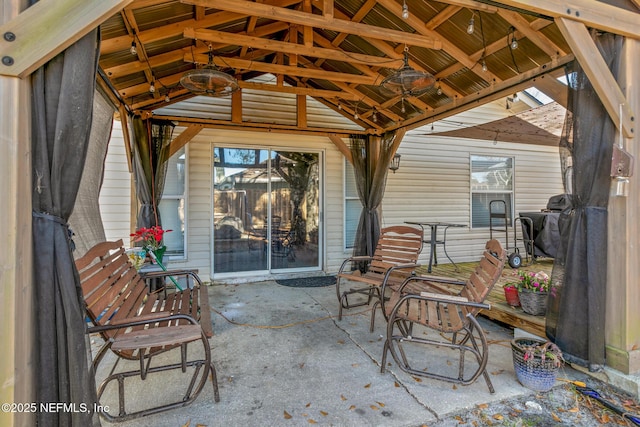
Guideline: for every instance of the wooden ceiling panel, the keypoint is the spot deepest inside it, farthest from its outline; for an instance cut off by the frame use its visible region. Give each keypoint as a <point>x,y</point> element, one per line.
<point>339,56</point>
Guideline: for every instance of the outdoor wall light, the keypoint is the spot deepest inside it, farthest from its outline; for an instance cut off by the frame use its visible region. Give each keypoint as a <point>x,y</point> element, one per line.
<point>394,165</point>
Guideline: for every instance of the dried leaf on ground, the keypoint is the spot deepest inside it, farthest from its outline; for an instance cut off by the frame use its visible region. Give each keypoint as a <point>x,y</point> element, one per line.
<point>374,407</point>
<point>368,385</point>
<point>287,416</point>
<point>498,417</point>
<point>323,413</point>
<point>342,397</point>
<point>380,404</point>
<point>395,384</point>
<point>187,424</point>
<point>352,407</point>
<point>482,405</point>
<point>307,405</point>
<point>310,421</point>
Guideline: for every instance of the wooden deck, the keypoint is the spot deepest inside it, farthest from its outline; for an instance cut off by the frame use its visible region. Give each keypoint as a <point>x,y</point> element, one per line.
<point>500,310</point>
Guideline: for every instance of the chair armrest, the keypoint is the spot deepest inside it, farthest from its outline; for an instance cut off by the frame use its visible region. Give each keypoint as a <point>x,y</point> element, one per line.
<point>440,279</point>
<point>391,270</point>
<point>352,259</point>
<point>447,299</point>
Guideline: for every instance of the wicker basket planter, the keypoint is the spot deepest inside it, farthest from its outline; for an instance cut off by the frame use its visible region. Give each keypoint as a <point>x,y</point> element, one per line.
<point>532,370</point>
<point>534,303</point>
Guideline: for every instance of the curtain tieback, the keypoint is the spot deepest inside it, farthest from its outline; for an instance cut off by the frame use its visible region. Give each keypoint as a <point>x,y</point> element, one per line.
<point>60,221</point>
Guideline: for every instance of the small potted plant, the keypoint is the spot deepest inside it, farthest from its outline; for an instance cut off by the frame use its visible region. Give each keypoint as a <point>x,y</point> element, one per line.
<point>533,289</point>
<point>151,241</point>
<point>511,295</point>
<point>536,362</point>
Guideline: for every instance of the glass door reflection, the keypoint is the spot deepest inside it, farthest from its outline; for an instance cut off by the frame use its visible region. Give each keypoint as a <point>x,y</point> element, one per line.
<point>266,210</point>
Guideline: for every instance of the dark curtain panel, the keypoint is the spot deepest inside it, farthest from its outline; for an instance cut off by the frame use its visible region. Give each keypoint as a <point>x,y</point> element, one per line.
<point>576,306</point>
<point>62,100</point>
<point>370,170</point>
<point>151,139</point>
<point>86,220</point>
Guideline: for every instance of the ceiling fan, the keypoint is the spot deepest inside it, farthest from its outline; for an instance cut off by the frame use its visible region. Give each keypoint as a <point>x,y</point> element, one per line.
<point>408,81</point>
<point>208,80</point>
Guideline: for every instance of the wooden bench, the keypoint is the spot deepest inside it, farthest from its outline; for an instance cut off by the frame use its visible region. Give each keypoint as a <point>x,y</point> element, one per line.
<point>394,259</point>
<point>138,325</point>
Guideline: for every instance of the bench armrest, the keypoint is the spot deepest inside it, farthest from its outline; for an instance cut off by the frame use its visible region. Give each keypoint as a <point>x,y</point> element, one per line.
<point>128,322</point>
<point>176,272</point>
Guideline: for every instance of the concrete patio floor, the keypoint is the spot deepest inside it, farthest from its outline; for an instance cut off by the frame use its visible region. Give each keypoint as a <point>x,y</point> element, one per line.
<point>283,358</point>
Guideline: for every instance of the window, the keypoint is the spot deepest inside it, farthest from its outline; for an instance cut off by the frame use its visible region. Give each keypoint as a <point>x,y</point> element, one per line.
<point>352,206</point>
<point>172,206</point>
<point>491,179</point>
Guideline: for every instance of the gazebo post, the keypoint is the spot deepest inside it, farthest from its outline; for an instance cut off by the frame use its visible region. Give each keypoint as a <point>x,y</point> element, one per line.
<point>622,333</point>
<point>16,280</point>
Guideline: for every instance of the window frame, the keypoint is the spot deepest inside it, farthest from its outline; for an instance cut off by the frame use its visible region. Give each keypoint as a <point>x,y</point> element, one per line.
<point>347,168</point>
<point>511,192</point>
<point>185,197</point>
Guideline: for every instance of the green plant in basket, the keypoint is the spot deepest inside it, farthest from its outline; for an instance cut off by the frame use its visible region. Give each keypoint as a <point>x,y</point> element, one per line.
<point>534,282</point>
<point>544,351</point>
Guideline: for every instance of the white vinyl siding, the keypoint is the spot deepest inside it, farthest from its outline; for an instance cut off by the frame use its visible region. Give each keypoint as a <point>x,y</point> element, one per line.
<point>432,183</point>
<point>199,206</point>
<point>115,193</point>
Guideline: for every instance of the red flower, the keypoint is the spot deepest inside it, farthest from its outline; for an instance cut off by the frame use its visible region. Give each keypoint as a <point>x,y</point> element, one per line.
<point>151,238</point>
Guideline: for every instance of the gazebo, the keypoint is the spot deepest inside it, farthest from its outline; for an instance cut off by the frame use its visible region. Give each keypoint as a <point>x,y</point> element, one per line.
<point>388,65</point>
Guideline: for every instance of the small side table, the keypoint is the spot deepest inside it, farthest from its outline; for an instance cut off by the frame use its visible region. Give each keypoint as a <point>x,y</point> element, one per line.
<point>433,241</point>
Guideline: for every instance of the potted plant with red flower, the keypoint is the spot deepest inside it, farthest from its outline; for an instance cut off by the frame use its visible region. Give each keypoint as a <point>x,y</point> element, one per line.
<point>151,240</point>
<point>511,295</point>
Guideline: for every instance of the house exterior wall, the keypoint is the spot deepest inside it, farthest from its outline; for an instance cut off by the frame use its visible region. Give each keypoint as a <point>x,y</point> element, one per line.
<point>115,194</point>
<point>432,184</point>
<point>200,185</point>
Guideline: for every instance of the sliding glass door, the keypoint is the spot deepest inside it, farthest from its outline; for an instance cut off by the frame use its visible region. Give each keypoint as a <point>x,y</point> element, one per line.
<point>266,210</point>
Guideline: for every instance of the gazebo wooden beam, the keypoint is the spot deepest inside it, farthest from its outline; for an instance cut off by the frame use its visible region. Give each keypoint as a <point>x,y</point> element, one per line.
<point>36,35</point>
<point>290,48</point>
<point>594,66</point>
<point>591,13</point>
<point>309,19</point>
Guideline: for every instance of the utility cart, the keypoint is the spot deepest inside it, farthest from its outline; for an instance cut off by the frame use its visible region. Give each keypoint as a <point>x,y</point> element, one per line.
<point>499,222</point>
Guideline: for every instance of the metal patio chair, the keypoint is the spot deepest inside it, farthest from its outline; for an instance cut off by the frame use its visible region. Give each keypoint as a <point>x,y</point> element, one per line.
<point>394,259</point>
<point>435,304</point>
